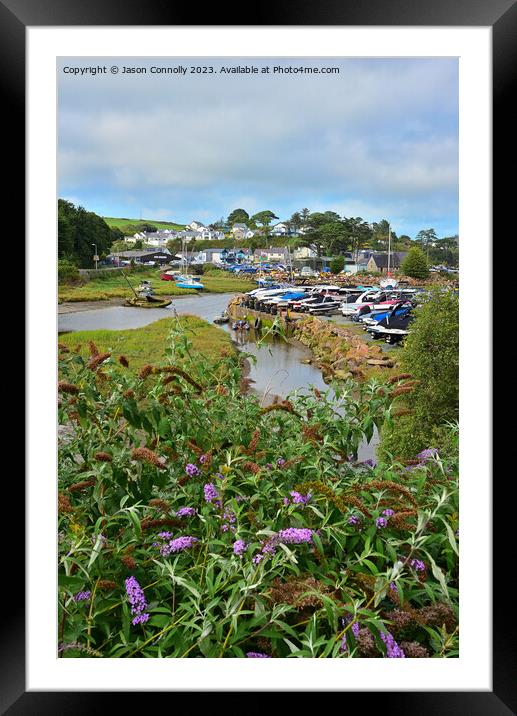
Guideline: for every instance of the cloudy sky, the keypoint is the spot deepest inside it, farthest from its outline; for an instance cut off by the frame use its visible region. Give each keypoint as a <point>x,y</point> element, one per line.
<point>378,140</point>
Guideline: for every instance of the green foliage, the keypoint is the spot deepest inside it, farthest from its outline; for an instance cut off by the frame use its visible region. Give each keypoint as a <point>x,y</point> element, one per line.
<point>238,216</point>
<point>299,600</point>
<point>431,356</point>
<point>78,229</point>
<point>264,217</point>
<point>67,272</point>
<point>337,264</point>
<point>415,264</point>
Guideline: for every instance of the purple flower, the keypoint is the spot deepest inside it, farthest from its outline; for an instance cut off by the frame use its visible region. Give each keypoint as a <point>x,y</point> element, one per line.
<point>286,501</point>
<point>393,587</point>
<point>393,650</point>
<point>165,535</point>
<point>291,535</point>
<point>185,512</point>
<point>239,547</point>
<point>299,498</point>
<point>418,565</point>
<point>229,516</point>
<point>281,461</point>
<point>203,459</point>
<point>178,545</point>
<point>381,522</point>
<point>389,512</point>
<point>269,466</point>
<point>428,454</point>
<point>192,470</point>
<point>210,492</point>
<point>353,520</point>
<point>82,596</point>
<point>140,619</point>
<point>257,655</point>
<point>137,600</point>
<point>295,535</point>
<point>219,475</point>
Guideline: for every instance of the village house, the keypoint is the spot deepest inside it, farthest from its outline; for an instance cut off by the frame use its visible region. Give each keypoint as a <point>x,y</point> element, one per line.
<point>241,231</point>
<point>272,254</point>
<point>304,252</point>
<point>379,262</point>
<point>196,226</point>
<point>280,229</point>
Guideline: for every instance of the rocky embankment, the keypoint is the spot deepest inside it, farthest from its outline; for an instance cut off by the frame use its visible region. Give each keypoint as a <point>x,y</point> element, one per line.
<point>339,352</point>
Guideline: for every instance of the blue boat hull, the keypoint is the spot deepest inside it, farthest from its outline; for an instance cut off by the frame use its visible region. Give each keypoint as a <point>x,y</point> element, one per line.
<point>198,286</point>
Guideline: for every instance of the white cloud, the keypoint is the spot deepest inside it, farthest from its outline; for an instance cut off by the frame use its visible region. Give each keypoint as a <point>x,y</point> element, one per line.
<point>384,131</point>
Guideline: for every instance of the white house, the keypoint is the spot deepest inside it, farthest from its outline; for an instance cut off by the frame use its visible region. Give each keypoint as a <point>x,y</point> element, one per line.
<point>304,252</point>
<point>196,225</point>
<point>279,229</point>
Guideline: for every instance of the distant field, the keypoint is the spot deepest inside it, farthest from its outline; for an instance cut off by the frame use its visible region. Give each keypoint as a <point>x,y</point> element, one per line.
<point>120,223</point>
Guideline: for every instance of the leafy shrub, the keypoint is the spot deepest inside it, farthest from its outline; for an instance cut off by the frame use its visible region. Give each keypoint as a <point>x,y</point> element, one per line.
<point>67,272</point>
<point>337,264</point>
<point>194,522</point>
<point>431,357</point>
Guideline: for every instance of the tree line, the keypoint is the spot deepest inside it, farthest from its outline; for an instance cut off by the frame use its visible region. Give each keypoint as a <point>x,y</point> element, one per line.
<point>327,232</point>
<point>80,233</point>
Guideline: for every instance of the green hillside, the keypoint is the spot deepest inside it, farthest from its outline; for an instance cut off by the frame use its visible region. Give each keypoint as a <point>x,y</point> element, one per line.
<point>122,223</point>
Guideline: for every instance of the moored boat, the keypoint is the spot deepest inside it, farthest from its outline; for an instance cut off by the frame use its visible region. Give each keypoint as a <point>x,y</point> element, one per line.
<point>223,318</point>
<point>188,282</point>
<point>147,302</point>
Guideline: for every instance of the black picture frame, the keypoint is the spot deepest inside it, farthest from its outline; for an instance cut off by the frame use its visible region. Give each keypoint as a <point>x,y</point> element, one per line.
<point>501,15</point>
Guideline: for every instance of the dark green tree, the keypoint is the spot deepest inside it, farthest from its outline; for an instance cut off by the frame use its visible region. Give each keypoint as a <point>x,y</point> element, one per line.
<point>238,216</point>
<point>78,231</point>
<point>296,221</point>
<point>380,235</point>
<point>264,218</point>
<point>415,264</point>
<point>305,214</point>
<point>426,238</point>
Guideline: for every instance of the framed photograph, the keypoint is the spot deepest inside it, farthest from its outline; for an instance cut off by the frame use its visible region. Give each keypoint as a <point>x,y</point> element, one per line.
<point>210,508</point>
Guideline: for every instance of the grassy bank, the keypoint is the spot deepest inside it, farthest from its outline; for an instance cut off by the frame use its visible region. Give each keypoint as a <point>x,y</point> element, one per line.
<point>113,285</point>
<point>149,343</point>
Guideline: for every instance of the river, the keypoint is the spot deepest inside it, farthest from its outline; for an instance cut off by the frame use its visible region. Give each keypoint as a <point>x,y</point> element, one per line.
<point>278,369</point>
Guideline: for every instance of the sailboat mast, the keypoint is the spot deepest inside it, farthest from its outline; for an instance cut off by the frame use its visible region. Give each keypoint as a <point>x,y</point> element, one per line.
<point>389,247</point>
